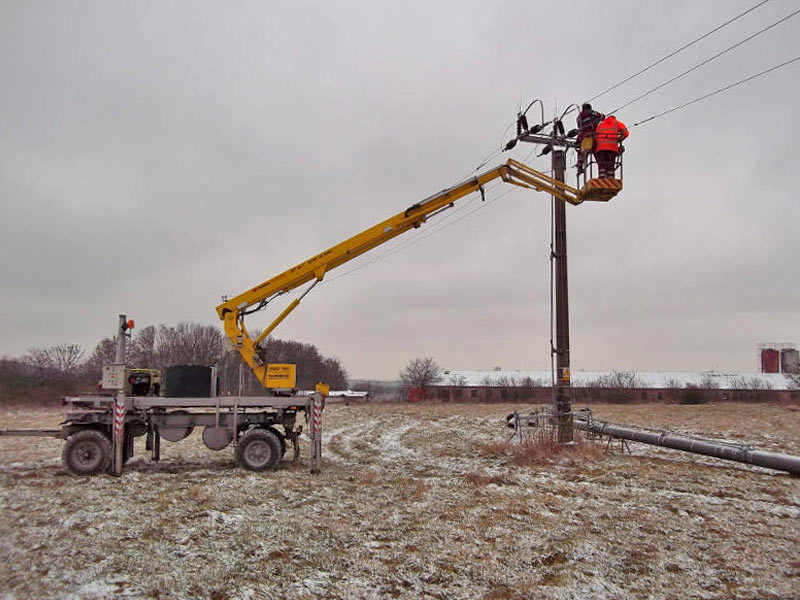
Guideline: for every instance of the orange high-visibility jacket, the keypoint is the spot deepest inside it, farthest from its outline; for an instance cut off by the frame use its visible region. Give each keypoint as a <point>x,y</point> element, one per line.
<point>609,134</point>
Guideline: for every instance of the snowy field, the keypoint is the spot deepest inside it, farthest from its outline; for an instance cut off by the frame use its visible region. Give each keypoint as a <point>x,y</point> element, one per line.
<point>413,502</point>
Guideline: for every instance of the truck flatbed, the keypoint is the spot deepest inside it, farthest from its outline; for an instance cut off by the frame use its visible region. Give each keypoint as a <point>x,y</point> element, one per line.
<point>259,427</point>
<point>222,402</point>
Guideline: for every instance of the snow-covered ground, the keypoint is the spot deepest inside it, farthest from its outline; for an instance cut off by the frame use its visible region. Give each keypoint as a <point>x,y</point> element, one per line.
<point>412,503</point>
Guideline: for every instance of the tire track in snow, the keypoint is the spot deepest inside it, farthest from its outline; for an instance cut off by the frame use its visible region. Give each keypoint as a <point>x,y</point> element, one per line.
<point>339,443</point>
<point>386,444</point>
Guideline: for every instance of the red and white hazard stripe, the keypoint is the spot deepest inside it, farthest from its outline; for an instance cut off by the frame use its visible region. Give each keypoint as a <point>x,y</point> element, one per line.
<point>119,417</point>
<point>316,417</point>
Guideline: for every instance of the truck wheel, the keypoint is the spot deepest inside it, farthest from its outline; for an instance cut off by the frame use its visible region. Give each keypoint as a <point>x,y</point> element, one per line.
<point>87,452</point>
<point>281,439</point>
<point>258,450</point>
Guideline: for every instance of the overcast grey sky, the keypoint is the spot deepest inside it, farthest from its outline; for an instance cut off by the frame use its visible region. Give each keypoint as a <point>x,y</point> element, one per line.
<point>156,155</point>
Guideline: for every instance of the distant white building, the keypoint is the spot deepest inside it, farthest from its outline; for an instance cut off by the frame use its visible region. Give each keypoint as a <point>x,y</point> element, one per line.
<point>617,386</point>
<point>639,380</point>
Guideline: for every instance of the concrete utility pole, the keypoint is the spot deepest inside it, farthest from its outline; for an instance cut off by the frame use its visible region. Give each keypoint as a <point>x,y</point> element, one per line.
<point>562,400</point>
<point>563,404</point>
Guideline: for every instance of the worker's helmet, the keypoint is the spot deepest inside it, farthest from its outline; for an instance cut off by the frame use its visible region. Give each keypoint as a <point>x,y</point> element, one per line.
<point>586,106</point>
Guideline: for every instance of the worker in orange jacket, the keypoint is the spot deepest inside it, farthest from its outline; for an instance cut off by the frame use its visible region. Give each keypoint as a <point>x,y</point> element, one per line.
<point>608,144</point>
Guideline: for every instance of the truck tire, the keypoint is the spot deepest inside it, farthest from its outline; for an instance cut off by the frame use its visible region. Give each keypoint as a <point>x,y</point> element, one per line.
<point>87,452</point>
<point>258,450</point>
<point>281,439</point>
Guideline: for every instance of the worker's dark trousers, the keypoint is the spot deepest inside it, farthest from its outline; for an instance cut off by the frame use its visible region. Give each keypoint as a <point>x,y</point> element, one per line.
<point>605,162</point>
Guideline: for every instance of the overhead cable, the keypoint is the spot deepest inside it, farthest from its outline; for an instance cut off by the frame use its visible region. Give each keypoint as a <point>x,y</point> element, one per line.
<point>708,60</point>
<point>446,222</point>
<point>405,244</point>
<point>679,50</point>
<point>719,91</point>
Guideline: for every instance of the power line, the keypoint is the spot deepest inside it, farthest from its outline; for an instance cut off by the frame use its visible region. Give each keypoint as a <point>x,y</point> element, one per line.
<point>708,60</point>
<point>405,244</point>
<point>417,236</point>
<point>408,243</point>
<point>420,235</point>
<point>490,157</point>
<point>679,50</point>
<point>719,91</point>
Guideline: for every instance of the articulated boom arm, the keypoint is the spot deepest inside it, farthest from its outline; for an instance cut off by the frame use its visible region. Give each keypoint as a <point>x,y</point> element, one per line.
<point>233,311</point>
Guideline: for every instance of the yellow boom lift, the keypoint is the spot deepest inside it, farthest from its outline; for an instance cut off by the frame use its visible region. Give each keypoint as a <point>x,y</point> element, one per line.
<point>234,310</point>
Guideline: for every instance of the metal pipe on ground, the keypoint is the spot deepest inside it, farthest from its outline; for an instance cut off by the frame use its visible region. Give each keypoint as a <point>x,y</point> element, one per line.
<point>55,433</point>
<point>739,453</point>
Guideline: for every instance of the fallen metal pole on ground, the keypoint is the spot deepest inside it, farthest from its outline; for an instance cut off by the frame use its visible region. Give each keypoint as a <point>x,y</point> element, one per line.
<point>727,451</point>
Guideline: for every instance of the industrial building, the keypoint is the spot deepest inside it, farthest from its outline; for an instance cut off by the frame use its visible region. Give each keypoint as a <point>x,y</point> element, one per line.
<point>617,386</point>
<point>779,358</point>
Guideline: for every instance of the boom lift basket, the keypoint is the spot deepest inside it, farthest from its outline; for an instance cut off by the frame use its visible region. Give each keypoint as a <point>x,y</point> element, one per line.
<point>600,190</point>
<point>596,189</point>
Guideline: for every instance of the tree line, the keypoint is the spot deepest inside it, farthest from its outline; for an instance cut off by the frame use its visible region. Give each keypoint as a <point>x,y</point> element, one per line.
<point>616,386</point>
<point>43,375</point>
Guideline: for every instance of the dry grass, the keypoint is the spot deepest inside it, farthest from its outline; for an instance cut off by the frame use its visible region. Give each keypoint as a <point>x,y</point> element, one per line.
<point>413,501</point>
<point>543,451</point>
<point>481,478</point>
<point>496,449</point>
<point>547,451</point>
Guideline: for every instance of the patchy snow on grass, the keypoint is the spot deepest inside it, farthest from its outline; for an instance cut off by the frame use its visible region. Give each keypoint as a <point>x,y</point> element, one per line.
<point>409,505</point>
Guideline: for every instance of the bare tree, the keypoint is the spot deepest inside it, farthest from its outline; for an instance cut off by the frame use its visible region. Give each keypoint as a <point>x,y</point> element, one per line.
<point>16,378</point>
<point>39,359</point>
<point>458,380</point>
<point>619,379</point>
<point>334,373</point>
<point>531,382</point>
<point>709,381</point>
<point>421,373</point>
<point>738,382</point>
<point>142,351</point>
<point>104,353</point>
<point>312,366</point>
<point>188,344</point>
<point>66,358</point>
<point>61,360</point>
<point>508,381</point>
<point>756,383</point>
<point>620,385</point>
